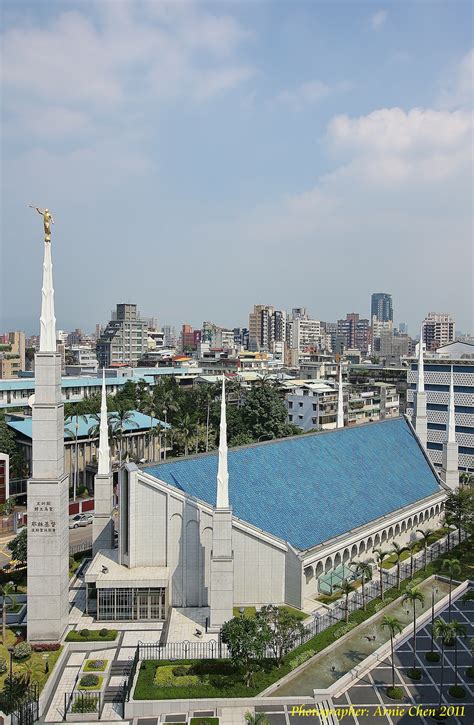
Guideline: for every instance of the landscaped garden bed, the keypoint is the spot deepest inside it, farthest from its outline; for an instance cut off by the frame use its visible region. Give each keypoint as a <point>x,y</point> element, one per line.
<point>38,665</point>
<point>251,611</point>
<point>90,682</point>
<point>92,635</point>
<point>95,665</point>
<point>220,678</point>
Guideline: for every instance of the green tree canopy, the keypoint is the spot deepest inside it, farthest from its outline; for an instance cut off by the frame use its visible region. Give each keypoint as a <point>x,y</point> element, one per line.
<point>246,638</point>
<point>285,628</point>
<point>18,546</point>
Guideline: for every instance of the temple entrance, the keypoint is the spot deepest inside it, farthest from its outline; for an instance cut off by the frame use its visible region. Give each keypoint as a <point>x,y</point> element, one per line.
<point>131,604</point>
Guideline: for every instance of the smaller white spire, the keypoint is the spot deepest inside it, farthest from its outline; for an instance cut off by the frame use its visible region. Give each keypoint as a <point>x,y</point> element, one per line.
<point>104,451</point>
<point>340,401</point>
<point>47,319</point>
<point>420,388</point>
<point>222,471</point>
<point>451,413</point>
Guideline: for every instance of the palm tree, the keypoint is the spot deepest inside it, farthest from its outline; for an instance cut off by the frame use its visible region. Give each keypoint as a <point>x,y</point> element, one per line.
<point>457,630</point>
<point>441,630</point>
<point>397,552</point>
<point>73,433</point>
<point>426,535</point>
<point>346,587</point>
<point>412,596</point>
<point>31,670</point>
<point>121,419</point>
<point>411,547</point>
<point>258,719</point>
<point>380,555</point>
<point>394,626</point>
<point>364,570</point>
<point>449,521</point>
<point>185,432</point>
<point>7,591</point>
<point>453,568</point>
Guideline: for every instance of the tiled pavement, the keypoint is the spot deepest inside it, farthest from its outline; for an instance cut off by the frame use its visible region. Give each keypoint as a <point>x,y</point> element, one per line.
<point>65,684</point>
<point>184,622</point>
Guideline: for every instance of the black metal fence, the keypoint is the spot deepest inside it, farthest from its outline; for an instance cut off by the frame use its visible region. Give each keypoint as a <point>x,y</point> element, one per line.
<point>215,649</point>
<point>82,701</point>
<point>83,546</point>
<point>26,708</point>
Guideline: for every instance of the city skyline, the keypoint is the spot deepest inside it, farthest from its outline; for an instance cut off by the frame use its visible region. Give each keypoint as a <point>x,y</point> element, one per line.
<point>199,169</point>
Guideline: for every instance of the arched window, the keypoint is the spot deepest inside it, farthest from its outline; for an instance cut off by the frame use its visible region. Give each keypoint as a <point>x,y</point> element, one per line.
<point>308,572</point>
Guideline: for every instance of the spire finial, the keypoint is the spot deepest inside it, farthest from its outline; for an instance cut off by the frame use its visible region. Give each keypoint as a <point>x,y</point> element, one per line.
<point>47,319</point>
<point>420,388</point>
<point>340,401</point>
<point>104,452</point>
<point>222,471</point>
<point>451,412</point>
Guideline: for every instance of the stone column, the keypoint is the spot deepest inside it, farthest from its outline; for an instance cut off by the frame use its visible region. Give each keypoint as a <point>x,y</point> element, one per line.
<point>221,599</point>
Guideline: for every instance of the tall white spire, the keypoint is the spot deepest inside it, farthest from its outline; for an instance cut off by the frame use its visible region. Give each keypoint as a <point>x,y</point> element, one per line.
<point>104,451</point>
<point>420,388</point>
<point>451,415</point>
<point>47,319</point>
<point>340,401</point>
<point>222,471</point>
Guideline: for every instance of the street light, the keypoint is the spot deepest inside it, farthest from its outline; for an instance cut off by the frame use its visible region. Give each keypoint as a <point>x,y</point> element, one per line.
<point>10,650</point>
<point>434,590</point>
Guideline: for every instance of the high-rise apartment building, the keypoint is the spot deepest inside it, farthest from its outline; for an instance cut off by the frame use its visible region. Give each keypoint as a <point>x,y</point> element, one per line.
<point>356,332</point>
<point>260,327</point>
<point>381,307</point>
<point>438,330</point>
<point>125,338</point>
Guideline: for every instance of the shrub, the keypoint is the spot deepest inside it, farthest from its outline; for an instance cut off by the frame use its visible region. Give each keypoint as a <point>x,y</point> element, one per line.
<point>379,606</point>
<point>86,703</point>
<point>91,636</point>
<point>22,650</point>
<point>432,656</point>
<point>47,646</point>
<point>395,693</point>
<point>180,671</point>
<point>89,681</point>
<point>414,674</point>
<point>84,633</point>
<point>104,632</point>
<point>96,665</point>
<point>303,657</point>
<point>470,673</point>
<point>457,691</point>
<point>3,665</point>
<point>340,631</point>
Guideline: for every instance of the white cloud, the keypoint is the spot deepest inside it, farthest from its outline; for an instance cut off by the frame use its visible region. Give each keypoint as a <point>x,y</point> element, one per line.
<point>378,19</point>
<point>308,93</point>
<point>459,89</point>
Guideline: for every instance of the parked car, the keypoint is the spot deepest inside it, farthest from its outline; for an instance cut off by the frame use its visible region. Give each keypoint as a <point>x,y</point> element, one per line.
<point>80,520</point>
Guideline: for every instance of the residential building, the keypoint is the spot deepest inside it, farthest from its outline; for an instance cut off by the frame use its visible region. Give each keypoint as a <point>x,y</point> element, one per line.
<point>170,335</point>
<point>381,307</point>
<point>125,338</point>
<point>457,357</point>
<point>260,327</point>
<point>4,477</point>
<point>81,360</point>
<point>312,404</point>
<point>12,354</point>
<point>190,338</point>
<point>438,330</point>
<point>355,331</point>
<point>375,401</point>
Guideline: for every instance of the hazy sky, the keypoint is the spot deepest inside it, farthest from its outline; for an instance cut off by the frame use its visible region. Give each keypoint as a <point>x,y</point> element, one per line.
<point>202,157</point>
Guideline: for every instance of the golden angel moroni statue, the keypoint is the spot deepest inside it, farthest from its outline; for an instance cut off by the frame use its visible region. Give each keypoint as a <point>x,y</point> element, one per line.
<point>47,221</point>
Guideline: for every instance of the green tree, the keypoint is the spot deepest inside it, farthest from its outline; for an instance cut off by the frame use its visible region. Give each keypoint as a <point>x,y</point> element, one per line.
<point>456,631</point>
<point>346,587</point>
<point>364,570</point>
<point>247,639</point>
<point>185,432</point>
<point>411,547</point>
<point>426,536</point>
<point>412,597</point>
<point>122,419</point>
<point>460,505</point>
<point>397,552</point>
<point>394,627</point>
<point>285,629</point>
<point>7,591</point>
<point>71,430</point>
<point>452,567</point>
<point>380,556</point>
<point>8,445</point>
<point>18,547</point>
<point>441,631</point>
<point>259,718</point>
<point>448,522</point>
<point>264,414</point>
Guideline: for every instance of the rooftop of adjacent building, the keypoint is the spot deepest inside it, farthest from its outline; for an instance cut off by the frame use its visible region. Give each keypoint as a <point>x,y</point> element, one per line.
<point>137,423</point>
<point>310,488</point>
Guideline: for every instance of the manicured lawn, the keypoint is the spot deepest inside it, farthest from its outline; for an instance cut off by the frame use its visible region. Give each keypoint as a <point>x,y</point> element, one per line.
<point>249,611</point>
<point>37,661</point>
<point>219,678</point>
<point>204,721</point>
<point>92,636</point>
<point>438,534</point>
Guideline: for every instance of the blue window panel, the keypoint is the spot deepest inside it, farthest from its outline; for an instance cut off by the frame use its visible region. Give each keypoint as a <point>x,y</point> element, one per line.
<point>438,406</point>
<point>435,446</point>
<point>436,426</point>
<point>467,451</point>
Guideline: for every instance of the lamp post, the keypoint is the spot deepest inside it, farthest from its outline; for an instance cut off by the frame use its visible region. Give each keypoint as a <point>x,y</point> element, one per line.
<point>10,650</point>
<point>434,590</point>
<point>165,413</point>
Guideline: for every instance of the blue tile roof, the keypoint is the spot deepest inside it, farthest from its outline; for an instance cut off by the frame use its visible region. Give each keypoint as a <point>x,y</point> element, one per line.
<point>143,423</point>
<point>308,489</point>
<point>76,382</point>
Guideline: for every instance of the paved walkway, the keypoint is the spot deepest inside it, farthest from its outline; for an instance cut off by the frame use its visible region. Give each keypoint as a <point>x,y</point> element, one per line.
<point>185,621</point>
<point>66,684</point>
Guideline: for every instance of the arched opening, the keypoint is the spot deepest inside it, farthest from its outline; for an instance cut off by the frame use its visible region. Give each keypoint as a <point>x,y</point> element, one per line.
<point>426,515</point>
<point>390,533</point>
<point>361,547</point>
<point>376,541</point>
<point>328,565</point>
<point>409,523</point>
<point>370,544</point>
<point>345,556</point>
<point>354,551</point>
<point>319,568</point>
<point>337,560</point>
<point>309,573</point>
<point>397,530</point>
<point>384,537</point>
<point>403,527</point>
